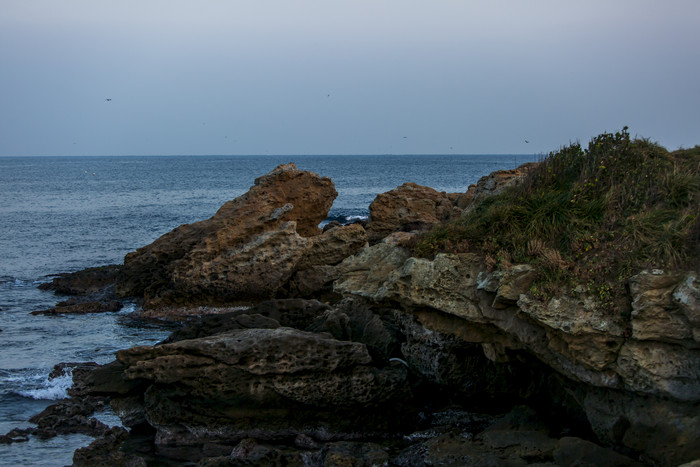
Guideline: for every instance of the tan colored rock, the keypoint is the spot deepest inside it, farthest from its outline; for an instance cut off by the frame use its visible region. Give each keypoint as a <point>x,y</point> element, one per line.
<point>364,274</point>
<point>408,207</point>
<point>575,336</point>
<point>248,250</point>
<point>656,313</point>
<point>334,245</point>
<point>575,316</point>
<point>387,272</point>
<point>513,283</point>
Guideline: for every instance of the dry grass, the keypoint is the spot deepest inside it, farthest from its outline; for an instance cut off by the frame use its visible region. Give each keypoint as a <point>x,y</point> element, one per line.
<point>593,216</point>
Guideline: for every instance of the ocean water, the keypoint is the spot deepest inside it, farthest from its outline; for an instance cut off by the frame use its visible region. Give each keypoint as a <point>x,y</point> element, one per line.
<point>63,214</point>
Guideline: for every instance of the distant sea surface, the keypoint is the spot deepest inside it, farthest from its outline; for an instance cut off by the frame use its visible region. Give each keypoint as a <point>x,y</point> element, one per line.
<point>64,214</point>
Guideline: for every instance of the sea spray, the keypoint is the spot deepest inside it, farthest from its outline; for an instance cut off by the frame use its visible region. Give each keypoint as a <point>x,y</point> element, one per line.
<point>55,388</point>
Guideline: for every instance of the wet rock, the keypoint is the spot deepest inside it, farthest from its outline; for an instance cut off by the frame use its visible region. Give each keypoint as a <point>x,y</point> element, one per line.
<point>70,416</point>
<point>89,281</point>
<point>92,290</point>
<point>16,435</point>
<point>79,307</point>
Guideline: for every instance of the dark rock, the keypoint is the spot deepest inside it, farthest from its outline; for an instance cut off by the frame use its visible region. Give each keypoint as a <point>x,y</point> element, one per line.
<point>269,384</point>
<point>295,313</point>
<point>78,308</point>
<point>582,453</point>
<point>352,320</point>
<point>107,450</point>
<point>349,453</point>
<point>86,282</point>
<point>16,435</point>
<point>70,416</point>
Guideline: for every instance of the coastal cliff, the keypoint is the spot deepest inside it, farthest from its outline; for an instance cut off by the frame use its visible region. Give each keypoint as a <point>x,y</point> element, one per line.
<point>427,335</point>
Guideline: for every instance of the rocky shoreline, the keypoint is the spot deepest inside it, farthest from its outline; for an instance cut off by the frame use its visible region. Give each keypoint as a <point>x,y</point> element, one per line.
<point>334,346</point>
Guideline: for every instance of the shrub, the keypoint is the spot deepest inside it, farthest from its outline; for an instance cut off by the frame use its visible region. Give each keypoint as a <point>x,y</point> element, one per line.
<point>593,216</point>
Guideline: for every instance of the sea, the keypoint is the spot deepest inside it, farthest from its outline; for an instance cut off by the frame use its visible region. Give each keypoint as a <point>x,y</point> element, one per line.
<point>63,214</point>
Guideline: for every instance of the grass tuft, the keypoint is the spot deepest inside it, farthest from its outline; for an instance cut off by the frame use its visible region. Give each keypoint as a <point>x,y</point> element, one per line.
<point>590,216</point>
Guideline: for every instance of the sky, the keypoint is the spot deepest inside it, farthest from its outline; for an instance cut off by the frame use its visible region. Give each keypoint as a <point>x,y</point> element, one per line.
<point>220,77</point>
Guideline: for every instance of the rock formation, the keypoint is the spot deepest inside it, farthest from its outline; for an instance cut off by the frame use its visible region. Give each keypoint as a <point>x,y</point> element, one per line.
<point>632,378</point>
<point>250,249</point>
<point>448,361</point>
<point>412,207</point>
<point>408,207</point>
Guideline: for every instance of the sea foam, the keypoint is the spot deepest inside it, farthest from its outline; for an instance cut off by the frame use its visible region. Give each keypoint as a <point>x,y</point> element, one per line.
<point>51,388</point>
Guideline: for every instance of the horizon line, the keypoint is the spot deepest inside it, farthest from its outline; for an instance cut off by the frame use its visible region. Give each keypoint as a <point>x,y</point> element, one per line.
<point>276,155</point>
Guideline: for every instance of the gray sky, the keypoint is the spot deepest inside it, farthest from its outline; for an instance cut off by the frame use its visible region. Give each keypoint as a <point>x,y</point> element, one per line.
<point>343,76</point>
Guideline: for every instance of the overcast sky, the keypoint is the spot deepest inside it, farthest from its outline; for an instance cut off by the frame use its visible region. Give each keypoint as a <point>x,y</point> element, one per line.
<point>344,76</point>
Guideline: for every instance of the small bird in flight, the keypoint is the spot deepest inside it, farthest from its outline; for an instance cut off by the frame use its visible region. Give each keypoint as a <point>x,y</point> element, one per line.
<point>527,141</point>
<point>109,99</point>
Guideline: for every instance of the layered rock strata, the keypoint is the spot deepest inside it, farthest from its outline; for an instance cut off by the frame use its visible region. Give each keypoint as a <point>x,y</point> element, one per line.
<point>635,375</point>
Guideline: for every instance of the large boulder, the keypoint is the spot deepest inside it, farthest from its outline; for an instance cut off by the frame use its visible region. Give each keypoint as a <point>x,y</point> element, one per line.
<point>408,207</point>
<point>267,383</point>
<point>248,250</point>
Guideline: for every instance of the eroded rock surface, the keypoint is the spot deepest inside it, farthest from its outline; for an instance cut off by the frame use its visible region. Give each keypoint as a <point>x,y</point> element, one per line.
<point>408,207</point>
<point>249,250</point>
<point>651,356</point>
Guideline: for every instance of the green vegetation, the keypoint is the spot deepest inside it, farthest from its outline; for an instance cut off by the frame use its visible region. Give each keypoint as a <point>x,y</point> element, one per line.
<point>590,217</point>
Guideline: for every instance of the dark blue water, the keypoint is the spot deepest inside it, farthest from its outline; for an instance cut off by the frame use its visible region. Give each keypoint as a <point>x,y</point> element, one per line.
<point>63,214</point>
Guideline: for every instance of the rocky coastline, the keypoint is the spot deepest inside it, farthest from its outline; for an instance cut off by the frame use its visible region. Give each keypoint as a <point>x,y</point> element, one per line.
<point>335,346</point>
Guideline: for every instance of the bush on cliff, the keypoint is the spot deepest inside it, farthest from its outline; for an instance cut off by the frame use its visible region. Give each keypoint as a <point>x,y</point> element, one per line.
<point>590,216</point>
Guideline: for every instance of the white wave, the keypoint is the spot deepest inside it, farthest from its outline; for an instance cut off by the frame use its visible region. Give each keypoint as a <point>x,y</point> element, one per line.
<point>51,389</point>
<point>128,307</point>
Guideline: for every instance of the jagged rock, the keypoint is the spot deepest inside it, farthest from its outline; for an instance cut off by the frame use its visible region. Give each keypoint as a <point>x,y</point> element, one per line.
<point>407,207</point>
<point>70,416</point>
<point>248,250</point>
<point>334,245</point>
<point>659,368</point>
<point>89,281</point>
<point>92,291</point>
<point>263,383</point>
